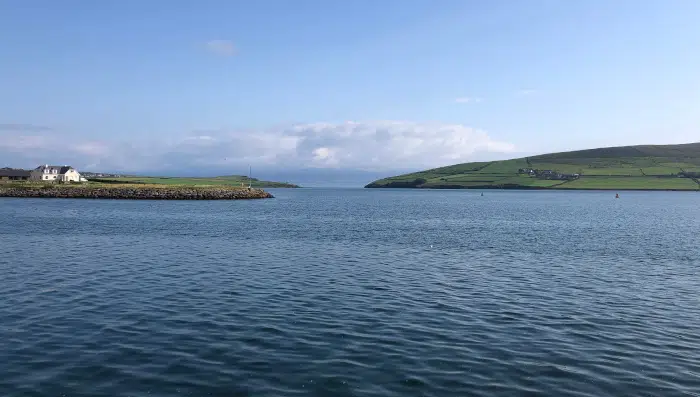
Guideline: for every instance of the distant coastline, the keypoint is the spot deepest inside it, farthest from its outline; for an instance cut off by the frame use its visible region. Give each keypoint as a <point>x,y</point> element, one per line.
<point>68,174</point>
<point>229,180</point>
<point>535,188</point>
<point>131,192</point>
<point>643,168</point>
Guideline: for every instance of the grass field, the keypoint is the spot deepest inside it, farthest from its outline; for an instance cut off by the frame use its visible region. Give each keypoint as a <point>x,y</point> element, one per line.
<point>640,183</point>
<point>233,180</point>
<point>112,185</point>
<point>651,167</point>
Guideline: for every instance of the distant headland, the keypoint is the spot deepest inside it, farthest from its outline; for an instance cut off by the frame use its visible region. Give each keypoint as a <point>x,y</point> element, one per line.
<point>645,167</point>
<point>66,182</point>
<point>228,180</point>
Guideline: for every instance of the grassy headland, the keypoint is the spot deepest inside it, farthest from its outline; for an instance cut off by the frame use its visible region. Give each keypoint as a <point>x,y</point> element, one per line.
<point>231,180</point>
<point>647,167</point>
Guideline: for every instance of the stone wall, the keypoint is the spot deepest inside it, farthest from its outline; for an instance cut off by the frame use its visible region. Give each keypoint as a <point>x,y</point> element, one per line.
<point>135,193</point>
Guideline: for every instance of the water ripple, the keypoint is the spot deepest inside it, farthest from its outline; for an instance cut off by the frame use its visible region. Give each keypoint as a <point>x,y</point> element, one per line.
<point>353,293</point>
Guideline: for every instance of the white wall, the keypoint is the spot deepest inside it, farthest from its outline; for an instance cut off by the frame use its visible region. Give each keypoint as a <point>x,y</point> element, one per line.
<point>71,176</point>
<point>40,176</point>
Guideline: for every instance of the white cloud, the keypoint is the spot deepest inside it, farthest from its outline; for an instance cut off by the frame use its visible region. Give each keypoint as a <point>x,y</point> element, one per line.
<point>467,99</point>
<point>379,145</point>
<point>221,47</point>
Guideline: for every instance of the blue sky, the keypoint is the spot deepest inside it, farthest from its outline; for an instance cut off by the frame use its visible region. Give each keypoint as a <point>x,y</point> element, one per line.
<point>210,86</point>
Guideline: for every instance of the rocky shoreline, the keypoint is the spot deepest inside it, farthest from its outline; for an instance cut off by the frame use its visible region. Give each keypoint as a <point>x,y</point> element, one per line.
<point>135,193</point>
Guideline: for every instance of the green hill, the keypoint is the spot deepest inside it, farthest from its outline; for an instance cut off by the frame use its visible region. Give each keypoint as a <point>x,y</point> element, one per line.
<point>230,180</point>
<point>646,167</point>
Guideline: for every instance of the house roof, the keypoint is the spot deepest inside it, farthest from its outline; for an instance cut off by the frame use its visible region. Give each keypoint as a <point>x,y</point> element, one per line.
<point>62,169</point>
<point>14,172</point>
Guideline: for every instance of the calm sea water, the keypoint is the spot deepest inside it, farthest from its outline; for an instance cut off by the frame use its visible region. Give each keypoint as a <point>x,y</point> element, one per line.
<point>324,292</point>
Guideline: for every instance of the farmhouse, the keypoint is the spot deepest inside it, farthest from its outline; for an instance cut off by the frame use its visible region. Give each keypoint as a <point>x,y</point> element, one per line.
<point>548,174</point>
<point>13,174</point>
<point>55,173</point>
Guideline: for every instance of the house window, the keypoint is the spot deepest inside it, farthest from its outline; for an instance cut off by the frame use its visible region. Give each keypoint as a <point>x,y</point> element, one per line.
<point>46,177</point>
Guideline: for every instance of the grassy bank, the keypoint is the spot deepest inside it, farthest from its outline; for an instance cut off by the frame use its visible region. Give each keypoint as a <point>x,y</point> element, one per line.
<point>231,180</point>
<point>664,167</point>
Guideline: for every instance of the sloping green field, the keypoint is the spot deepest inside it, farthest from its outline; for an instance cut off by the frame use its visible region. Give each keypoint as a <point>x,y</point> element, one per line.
<point>649,167</point>
<point>630,183</point>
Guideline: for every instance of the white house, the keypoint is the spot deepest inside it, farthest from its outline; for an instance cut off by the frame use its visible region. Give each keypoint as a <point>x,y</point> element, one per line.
<point>55,173</point>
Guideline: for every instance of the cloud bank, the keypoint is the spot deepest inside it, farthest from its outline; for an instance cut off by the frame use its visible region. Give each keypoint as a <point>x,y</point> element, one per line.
<point>370,146</point>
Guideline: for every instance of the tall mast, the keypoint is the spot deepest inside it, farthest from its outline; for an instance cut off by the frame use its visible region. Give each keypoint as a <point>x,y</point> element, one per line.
<point>250,173</point>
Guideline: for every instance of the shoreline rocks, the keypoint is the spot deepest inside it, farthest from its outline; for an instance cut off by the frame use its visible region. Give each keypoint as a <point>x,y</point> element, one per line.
<point>135,193</point>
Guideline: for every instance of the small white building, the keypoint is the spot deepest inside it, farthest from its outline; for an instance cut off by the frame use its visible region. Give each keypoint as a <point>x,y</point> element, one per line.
<point>55,173</point>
